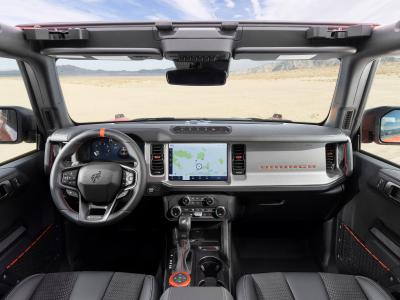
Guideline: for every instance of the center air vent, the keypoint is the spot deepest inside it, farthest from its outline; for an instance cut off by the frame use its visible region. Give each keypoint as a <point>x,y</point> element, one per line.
<point>201,130</point>
<point>157,159</point>
<point>238,159</point>
<point>330,152</point>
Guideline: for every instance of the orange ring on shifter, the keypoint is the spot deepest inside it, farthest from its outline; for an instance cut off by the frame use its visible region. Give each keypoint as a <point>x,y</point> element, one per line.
<point>102,132</point>
<point>182,284</point>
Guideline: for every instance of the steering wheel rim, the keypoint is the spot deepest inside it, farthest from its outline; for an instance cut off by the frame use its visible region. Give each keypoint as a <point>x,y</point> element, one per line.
<point>134,193</point>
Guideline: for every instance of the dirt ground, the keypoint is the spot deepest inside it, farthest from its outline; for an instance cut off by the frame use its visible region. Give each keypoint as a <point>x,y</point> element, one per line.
<point>299,95</point>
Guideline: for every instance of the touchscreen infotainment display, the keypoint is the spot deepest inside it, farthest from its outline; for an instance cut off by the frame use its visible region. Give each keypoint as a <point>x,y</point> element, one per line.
<point>198,162</point>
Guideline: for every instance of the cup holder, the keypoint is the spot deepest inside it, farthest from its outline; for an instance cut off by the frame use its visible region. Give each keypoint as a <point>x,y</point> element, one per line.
<point>210,266</point>
<point>205,283</point>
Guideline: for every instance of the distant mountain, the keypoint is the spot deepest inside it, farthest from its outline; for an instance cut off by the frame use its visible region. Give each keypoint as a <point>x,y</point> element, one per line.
<point>70,70</point>
<point>287,65</point>
<point>10,73</point>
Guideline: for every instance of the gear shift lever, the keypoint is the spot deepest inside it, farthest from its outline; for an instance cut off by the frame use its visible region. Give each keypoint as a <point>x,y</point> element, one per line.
<point>181,276</point>
<point>183,245</point>
<point>184,225</point>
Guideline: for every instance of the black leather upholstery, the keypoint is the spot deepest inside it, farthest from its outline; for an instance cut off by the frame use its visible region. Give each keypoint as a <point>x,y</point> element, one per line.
<point>306,286</point>
<point>86,286</point>
<point>197,293</point>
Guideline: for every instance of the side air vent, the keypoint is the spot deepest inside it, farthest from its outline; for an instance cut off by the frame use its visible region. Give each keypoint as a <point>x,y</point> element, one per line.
<point>348,117</point>
<point>330,151</point>
<point>201,130</point>
<point>238,159</point>
<point>157,159</point>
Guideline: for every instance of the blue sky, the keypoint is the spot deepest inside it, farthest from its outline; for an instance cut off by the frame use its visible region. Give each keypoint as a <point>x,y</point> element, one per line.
<point>15,12</point>
<point>38,11</point>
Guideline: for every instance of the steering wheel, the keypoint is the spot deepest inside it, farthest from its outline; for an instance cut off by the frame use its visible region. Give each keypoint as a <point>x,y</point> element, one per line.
<point>106,191</point>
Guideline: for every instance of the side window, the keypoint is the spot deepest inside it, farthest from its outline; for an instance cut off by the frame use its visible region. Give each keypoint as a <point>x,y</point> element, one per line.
<point>385,91</point>
<point>12,93</point>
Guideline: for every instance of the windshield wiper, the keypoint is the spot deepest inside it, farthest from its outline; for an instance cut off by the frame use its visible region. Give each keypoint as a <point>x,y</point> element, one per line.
<point>270,120</point>
<point>154,119</point>
<point>210,119</point>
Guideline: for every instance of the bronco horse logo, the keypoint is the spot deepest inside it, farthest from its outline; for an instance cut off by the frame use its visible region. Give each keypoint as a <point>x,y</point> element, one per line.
<point>96,176</point>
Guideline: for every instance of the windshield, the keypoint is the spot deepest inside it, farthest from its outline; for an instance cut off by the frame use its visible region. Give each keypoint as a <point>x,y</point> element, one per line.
<point>109,90</point>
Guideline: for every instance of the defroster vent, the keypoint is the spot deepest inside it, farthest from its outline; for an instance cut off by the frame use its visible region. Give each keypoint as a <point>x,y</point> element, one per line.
<point>238,159</point>
<point>157,159</point>
<point>348,118</point>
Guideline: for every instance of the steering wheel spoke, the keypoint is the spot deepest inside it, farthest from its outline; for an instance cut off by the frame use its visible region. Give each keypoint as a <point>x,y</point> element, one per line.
<point>90,212</point>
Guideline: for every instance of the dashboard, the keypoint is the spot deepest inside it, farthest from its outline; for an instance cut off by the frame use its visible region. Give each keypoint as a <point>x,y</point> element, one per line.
<point>222,156</point>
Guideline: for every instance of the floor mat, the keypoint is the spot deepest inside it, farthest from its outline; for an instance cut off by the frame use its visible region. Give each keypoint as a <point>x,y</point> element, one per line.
<point>134,253</point>
<point>265,248</point>
<point>269,254</point>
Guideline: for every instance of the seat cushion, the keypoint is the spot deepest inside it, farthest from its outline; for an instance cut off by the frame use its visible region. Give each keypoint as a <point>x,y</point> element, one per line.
<point>305,286</point>
<point>86,285</point>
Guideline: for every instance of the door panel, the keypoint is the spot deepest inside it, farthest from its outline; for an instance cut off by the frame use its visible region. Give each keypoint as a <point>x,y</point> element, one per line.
<point>29,236</point>
<point>368,231</point>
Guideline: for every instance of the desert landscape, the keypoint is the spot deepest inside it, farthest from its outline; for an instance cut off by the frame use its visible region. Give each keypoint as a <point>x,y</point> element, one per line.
<point>302,94</point>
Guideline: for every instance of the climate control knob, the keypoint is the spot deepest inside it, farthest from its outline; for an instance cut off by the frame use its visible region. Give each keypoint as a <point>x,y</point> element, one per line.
<point>209,201</point>
<point>185,201</point>
<point>220,212</point>
<point>175,211</point>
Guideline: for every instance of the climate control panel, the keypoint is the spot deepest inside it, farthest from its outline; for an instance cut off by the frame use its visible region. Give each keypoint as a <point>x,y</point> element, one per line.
<point>200,207</point>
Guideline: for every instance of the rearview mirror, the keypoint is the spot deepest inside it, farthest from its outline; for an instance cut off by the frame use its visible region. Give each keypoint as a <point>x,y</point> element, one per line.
<point>17,124</point>
<point>207,77</point>
<point>381,125</point>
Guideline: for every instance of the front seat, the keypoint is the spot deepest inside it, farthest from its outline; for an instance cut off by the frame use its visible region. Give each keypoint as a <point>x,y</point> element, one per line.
<point>86,286</point>
<point>306,286</point>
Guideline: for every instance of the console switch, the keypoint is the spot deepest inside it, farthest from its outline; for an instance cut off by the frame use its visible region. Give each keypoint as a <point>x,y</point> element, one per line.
<point>176,211</point>
<point>185,201</point>
<point>220,212</point>
<point>209,201</point>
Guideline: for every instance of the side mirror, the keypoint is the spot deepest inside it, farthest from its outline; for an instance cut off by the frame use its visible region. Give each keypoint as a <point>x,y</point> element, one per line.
<point>17,124</point>
<point>381,125</point>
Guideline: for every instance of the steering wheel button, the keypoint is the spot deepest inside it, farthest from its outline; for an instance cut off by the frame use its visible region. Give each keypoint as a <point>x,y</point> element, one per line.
<point>69,177</point>
<point>128,178</point>
<point>72,193</point>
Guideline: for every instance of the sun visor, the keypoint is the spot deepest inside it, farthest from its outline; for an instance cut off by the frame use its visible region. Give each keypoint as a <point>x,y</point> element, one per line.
<point>292,53</point>
<point>104,53</point>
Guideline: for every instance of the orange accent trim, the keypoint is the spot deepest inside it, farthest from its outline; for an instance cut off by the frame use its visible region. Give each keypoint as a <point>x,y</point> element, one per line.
<point>393,139</point>
<point>353,235</point>
<point>29,247</point>
<point>183,284</point>
<point>102,132</point>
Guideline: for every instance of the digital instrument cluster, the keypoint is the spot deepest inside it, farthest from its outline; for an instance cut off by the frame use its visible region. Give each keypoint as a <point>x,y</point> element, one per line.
<point>106,149</point>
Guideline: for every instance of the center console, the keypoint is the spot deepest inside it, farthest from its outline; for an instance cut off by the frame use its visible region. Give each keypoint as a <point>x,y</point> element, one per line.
<point>195,293</point>
<point>199,249</point>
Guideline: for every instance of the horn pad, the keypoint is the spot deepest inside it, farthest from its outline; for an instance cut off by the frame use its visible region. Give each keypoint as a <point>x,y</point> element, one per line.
<point>99,182</point>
